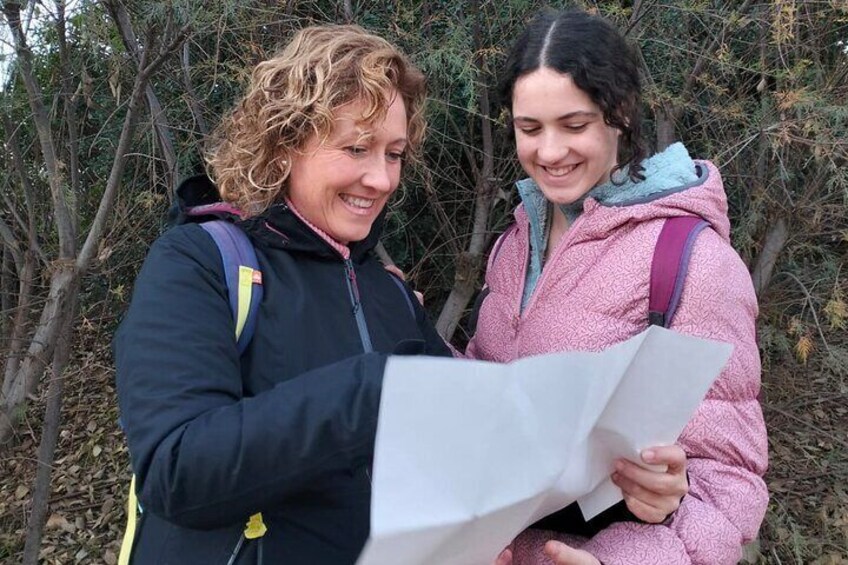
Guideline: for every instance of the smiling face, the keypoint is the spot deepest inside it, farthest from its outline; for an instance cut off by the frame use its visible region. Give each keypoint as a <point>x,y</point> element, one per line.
<point>342,184</point>
<point>561,138</point>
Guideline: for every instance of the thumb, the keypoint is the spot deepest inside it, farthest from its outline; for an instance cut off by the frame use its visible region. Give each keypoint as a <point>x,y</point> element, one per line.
<point>672,456</point>
<point>563,554</point>
<point>505,558</point>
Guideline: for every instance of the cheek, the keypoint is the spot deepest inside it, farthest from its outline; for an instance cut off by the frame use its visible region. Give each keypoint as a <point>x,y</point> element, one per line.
<point>394,175</point>
<point>523,148</point>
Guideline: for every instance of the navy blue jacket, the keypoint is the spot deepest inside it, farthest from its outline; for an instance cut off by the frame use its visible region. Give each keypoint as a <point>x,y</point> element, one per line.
<point>288,428</point>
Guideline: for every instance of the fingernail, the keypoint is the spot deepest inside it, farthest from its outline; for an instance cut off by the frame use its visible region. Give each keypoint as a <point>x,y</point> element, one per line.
<point>648,455</point>
<point>619,465</point>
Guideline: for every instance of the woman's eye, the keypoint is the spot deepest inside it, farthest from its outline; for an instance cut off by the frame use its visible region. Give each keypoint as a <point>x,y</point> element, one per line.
<point>529,131</point>
<point>576,127</point>
<point>356,149</point>
<point>395,156</point>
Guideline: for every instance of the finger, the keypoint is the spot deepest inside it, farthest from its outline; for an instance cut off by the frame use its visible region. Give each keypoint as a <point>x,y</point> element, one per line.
<point>563,554</point>
<point>671,455</point>
<point>419,296</point>
<point>664,504</point>
<point>505,558</point>
<point>662,483</point>
<point>644,511</point>
<point>395,271</point>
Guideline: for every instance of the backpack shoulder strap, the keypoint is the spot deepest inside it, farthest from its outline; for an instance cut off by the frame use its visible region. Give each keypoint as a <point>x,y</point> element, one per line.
<point>401,284</point>
<point>670,265</point>
<point>243,276</point>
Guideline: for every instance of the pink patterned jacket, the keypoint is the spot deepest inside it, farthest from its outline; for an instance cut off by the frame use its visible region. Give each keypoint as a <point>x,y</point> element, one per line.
<point>592,293</point>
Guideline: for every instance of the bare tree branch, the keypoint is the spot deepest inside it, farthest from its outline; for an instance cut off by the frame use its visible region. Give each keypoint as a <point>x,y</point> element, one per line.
<point>29,194</point>
<point>64,224</point>
<point>157,114</point>
<point>50,433</point>
<point>193,106</point>
<point>92,241</point>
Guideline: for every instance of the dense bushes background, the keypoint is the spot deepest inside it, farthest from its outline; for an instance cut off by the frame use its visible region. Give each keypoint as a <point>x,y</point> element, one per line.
<point>759,87</point>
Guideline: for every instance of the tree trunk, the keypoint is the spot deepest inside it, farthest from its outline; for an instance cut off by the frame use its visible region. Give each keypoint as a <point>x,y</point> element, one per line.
<point>469,267</point>
<point>470,264</point>
<point>7,275</point>
<point>50,432</point>
<point>17,341</point>
<point>665,129</point>
<point>775,240</point>
<point>24,382</point>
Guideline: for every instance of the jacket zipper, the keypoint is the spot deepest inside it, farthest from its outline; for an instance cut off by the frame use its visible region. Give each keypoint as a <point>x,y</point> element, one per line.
<point>353,289</point>
<point>565,242</point>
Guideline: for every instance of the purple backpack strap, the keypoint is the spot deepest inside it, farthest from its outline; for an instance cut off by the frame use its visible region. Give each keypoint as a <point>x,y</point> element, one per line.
<point>670,265</point>
<point>402,287</point>
<point>236,252</point>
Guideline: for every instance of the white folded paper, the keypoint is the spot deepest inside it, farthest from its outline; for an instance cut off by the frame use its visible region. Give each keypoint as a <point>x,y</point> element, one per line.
<point>470,453</point>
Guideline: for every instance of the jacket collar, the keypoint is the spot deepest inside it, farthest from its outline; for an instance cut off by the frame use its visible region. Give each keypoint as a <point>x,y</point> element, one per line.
<point>279,226</point>
<point>282,227</point>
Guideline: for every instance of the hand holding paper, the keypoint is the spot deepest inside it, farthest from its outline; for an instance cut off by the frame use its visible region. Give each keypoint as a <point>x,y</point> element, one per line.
<point>649,494</point>
<point>470,453</point>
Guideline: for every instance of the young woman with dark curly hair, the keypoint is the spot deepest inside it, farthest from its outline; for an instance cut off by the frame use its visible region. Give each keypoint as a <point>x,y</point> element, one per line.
<point>265,454</point>
<point>573,273</point>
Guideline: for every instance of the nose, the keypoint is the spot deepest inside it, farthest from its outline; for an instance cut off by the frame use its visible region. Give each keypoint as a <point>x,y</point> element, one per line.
<point>552,148</point>
<point>380,175</point>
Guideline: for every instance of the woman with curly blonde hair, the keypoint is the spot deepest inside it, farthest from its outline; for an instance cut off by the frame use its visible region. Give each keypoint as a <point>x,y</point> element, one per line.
<point>279,436</point>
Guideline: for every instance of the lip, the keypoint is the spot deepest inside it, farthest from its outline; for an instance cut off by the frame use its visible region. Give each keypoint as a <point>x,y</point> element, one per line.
<point>559,174</point>
<point>359,210</point>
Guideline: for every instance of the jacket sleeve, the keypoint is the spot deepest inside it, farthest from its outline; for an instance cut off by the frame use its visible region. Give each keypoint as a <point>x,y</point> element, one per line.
<point>204,455</point>
<point>725,441</point>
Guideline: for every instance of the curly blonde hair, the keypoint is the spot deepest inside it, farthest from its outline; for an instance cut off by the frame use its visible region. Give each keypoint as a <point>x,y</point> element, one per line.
<point>294,95</point>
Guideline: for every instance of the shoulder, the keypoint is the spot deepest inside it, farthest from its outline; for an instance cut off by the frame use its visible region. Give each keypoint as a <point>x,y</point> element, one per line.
<point>183,258</point>
<point>186,244</point>
<point>714,259</point>
<point>718,279</point>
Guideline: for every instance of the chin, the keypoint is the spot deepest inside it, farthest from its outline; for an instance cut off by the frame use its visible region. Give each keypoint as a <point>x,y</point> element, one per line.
<point>563,199</point>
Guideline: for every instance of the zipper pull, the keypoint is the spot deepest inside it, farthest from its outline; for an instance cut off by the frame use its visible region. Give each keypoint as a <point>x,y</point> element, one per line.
<point>351,277</point>
<point>255,527</point>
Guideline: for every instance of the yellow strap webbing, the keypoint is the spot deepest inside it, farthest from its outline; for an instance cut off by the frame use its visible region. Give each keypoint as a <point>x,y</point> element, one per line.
<point>245,292</point>
<point>129,533</point>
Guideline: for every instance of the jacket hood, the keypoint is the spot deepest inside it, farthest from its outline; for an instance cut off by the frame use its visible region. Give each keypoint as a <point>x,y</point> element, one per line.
<point>198,200</point>
<point>674,185</point>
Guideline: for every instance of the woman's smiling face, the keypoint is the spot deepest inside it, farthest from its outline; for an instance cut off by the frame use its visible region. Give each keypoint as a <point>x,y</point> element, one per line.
<point>561,138</point>
<point>342,184</point>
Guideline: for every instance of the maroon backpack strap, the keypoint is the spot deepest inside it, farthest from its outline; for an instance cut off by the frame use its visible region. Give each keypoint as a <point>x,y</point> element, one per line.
<point>670,265</point>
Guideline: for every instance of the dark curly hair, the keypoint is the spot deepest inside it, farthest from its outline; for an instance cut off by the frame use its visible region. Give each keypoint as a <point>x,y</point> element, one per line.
<point>599,61</point>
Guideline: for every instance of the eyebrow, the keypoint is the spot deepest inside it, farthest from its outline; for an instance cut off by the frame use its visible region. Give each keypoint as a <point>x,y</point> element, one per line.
<point>364,135</point>
<point>577,114</point>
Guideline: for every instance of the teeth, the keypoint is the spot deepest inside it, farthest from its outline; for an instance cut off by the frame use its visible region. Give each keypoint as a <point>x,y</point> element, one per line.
<point>560,171</point>
<point>357,202</point>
